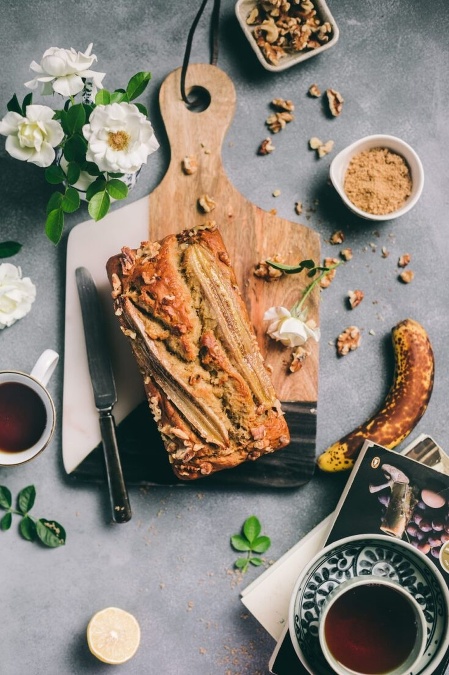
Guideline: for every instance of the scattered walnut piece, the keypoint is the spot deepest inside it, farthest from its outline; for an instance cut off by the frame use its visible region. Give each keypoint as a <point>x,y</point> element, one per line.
<point>189,165</point>
<point>385,252</point>
<point>298,208</point>
<point>278,121</point>
<point>276,193</point>
<point>325,149</point>
<point>283,104</point>
<point>298,357</point>
<point>407,276</point>
<point>355,298</point>
<point>335,101</point>
<point>337,237</point>
<point>315,143</point>
<point>327,279</point>
<point>265,271</point>
<point>206,203</point>
<point>346,253</point>
<point>314,91</point>
<point>265,147</point>
<point>404,260</point>
<point>348,340</point>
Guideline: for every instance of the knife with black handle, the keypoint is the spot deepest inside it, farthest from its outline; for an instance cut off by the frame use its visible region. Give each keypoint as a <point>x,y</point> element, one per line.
<point>104,390</point>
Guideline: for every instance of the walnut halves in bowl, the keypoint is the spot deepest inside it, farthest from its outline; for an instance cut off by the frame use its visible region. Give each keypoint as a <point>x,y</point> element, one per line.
<point>178,303</point>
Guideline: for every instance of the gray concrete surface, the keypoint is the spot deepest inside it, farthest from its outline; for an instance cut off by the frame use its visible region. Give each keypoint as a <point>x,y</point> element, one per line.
<point>172,564</point>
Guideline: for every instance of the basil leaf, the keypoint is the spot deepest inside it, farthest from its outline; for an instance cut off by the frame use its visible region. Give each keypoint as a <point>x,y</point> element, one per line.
<point>54,174</point>
<point>50,533</point>
<point>5,497</point>
<point>239,543</point>
<point>117,189</point>
<point>261,544</point>
<point>14,106</point>
<point>54,225</point>
<point>25,499</point>
<point>71,200</point>
<point>103,97</point>
<point>5,522</point>
<point>73,173</point>
<point>9,248</point>
<point>76,118</point>
<point>75,149</point>
<point>99,205</point>
<point>54,202</point>
<point>27,528</point>
<point>251,528</point>
<point>26,102</point>
<point>256,561</point>
<point>137,84</point>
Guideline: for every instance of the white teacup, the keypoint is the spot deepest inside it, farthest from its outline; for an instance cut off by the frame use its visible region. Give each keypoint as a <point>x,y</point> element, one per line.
<point>371,624</point>
<point>27,411</point>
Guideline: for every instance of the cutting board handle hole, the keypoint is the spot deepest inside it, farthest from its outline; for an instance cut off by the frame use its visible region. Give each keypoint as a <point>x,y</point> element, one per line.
<point>199,99</point>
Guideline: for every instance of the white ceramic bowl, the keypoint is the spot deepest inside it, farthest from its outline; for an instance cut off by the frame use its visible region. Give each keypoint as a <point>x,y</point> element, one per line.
<point>341,162</point>
<point>244,7</point>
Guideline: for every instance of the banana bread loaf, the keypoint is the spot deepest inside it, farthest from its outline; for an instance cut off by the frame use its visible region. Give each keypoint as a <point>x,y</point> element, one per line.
<point>208,389</point>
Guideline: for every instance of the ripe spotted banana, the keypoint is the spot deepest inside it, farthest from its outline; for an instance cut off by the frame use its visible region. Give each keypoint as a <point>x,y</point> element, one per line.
<point>404,404</point>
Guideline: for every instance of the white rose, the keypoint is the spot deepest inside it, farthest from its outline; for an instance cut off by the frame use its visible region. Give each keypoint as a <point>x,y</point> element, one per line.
<point>32,138</point>
<point>63,70</point>
<point>291,330</point>
<point>17,294</point>
<point>119,138</point>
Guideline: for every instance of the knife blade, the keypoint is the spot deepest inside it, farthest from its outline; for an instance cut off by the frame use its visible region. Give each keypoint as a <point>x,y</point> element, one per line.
<point>105,395</point>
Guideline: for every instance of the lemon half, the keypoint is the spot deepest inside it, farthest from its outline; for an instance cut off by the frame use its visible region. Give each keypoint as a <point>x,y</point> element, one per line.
<point>113,635</point>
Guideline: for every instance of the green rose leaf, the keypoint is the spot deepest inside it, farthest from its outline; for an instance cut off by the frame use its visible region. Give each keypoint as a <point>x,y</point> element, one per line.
<point>115,175</point>
<point>103,97</point>
<point>142,109</point>
<point>54,202</point>
<point>75,149</point>
<point>99,205</point>
<point>119,96</point>
<point>261,544</point>
<point>61,115</point>
<point>91,168</point>
<point>54,174</point>
<point>88,108</point>
<point>9,248</point>
<point>71,200</point>
<point>25,499</point>
<point>14,106</point>
<point>137,84</point>
<point>50,533</point>
<point>251,528</point>
<point>73,172</point>
<point>239,543</point>
<point>76,118</point>
<point>54,225</point>
<point>27,528</point>
<point>5,497</point>
<point>97,186</point>
<point>5,522</point>
<point>256,561</point>
<point>26,102</point>
<point>117,189</point>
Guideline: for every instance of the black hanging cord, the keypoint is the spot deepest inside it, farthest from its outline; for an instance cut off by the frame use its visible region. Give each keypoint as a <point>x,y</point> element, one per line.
<point>213,44</point>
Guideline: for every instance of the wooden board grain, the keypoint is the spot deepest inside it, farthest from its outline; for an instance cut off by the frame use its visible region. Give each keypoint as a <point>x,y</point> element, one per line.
<point>250,234</point>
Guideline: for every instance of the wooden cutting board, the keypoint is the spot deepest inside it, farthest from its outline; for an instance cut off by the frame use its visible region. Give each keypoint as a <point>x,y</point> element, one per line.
<point>250,234</point>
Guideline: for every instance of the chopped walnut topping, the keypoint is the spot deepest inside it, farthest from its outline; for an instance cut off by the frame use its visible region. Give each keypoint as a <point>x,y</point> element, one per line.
<point>326,280</point>
<point>298,208</point>
<point>265,147</point>
<point>335,101</point>
<point>407,276</point>
<point>189,165</point>
<point>265,271</point>
<point>206,203</point>
<point>355,298</point>
<point>252,16</point>
<point>404,260</point>
<point>283,104</point>
<point>116,285</point>
<point>129,333</point>
<point>348,340</point>
<point>314,91</point>
<point>346,253</point>
<point>298,357</point>
<point>179,433</point>
<point>337,237</point>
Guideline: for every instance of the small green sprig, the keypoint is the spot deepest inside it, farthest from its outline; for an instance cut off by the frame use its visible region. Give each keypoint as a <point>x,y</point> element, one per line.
<point>250,541</point>
<point>49,532</point>
<point>9,248</point>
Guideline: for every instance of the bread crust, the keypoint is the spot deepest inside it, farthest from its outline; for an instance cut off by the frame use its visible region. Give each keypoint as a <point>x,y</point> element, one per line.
<point>178,303</point>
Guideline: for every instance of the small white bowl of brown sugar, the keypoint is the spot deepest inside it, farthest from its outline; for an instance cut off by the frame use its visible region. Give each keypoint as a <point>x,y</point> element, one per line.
<point>378,177</point>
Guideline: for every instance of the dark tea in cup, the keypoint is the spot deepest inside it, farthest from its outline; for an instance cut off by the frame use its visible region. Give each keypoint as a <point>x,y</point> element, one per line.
<point>23,417</point>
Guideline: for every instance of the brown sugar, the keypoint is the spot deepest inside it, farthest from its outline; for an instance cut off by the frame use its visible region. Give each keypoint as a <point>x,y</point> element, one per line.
<point>378,181</point>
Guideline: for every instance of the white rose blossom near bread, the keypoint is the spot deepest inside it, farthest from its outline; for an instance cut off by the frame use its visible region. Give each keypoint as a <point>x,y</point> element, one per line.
<point>17,294</point>
<point>290,330</point>
<point>32,137</point>
<point>62,71</point>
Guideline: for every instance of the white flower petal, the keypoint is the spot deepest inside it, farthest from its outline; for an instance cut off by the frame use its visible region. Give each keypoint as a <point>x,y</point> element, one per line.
<point>16,295</point>
<point>14,148</point>
<point>10,123</point>
<point>44,157</point>
<point>68,85</point>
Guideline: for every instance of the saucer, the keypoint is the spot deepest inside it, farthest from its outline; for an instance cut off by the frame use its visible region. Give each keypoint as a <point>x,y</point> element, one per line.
<point>375,555</point>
